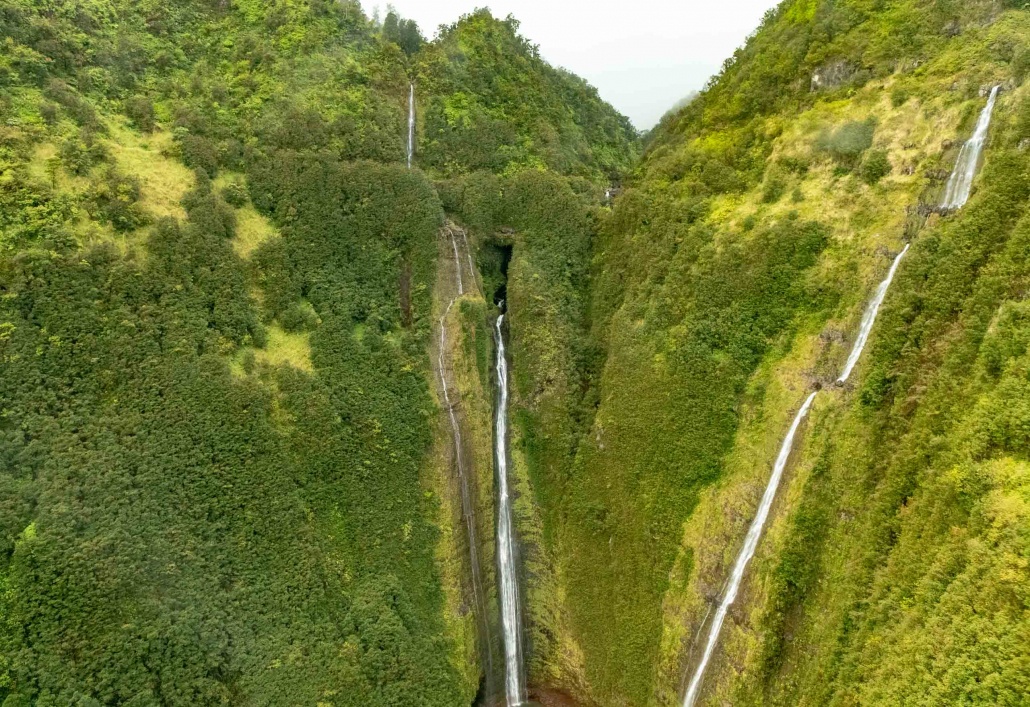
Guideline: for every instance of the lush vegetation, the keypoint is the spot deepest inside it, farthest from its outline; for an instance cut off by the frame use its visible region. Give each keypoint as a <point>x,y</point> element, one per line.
<point>215,308</point>
<point>496,105</point>
<point>218,478</point>
<point>921,485</point>
<point>734,267</point>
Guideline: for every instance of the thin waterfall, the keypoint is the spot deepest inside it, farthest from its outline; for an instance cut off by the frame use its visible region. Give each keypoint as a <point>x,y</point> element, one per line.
<point>869,318</point>
<point>468,253</point>
<point>457,265</point>
<point>746,553</point>
<point>956,193</point>
<point>511,612</point>
<point>467,502</point>
<point>411,124</point>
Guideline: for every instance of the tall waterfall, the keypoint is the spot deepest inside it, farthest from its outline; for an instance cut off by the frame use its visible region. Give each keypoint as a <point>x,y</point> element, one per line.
<point>869,318</point>
<point>955,196</point>
<point>956,193</point>
<point>508,581</point>
<point>411,123</point>
<point>746,553</point>
<point>468,510</point>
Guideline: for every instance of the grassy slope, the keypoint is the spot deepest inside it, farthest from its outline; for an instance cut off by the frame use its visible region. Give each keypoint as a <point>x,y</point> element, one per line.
<point>694,392</point>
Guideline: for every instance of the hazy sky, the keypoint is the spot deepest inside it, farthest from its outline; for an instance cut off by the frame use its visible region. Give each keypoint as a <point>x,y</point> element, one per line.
<point>642,55</point>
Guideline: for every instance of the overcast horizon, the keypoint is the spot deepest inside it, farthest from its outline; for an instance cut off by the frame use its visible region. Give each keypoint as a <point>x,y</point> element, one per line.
<point>642,62</point>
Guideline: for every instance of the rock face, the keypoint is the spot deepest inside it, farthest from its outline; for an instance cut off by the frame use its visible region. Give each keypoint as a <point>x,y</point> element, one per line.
<point>832,75</point>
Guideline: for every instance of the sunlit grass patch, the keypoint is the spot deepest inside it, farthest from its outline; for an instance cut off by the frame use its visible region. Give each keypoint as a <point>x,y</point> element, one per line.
<point>286,349</point>
<point>252,229</point>
<point>164,179</point>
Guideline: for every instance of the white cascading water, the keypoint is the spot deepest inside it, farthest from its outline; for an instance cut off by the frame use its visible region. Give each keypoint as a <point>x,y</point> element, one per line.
<point>956,193</point>
<point>746,553</point>
<point>467,507</point>
<point>468,253</point>
<point>869,318</point>
<point>411,124</point>
<point>508,581</point>
<point>457,265</point>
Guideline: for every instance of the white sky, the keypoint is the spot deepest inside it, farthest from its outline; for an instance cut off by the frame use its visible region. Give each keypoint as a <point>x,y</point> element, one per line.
<point>642,55</point>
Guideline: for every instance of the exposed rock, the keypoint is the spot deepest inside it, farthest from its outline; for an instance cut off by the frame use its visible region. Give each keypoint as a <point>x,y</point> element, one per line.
<point>947,145</point>
<point>832,75</point>
<point>1024,144</point>
<point>835,336</point>
<point>952,29</point>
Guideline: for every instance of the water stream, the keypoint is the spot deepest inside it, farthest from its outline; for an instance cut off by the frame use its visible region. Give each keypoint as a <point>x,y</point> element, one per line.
<point>468,510</point>
<point>955,197</point>
<point>411,124</point>
<point>747,552</point>
<point>869,318</point>
<point>507,580</point>
<point>956,193</point>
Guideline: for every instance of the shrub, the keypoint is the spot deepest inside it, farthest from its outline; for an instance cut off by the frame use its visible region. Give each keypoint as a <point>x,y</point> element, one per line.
<point>1021,64</point>
<point>847,143</point>
<point>199,153</point>
<point>78,108</point>
<point>114,199</point>
<point>141,112</point>
<point>209,213</point>
<point>795,165</point>
<point>234,194</point>
<point>248,361</point>
<point>875,167</point>
<point>80,152</point>
<point>773,189</point>
<point>232,155</point>
<point>48,111</point>
<point>300,316</point>
<point>899,97</point>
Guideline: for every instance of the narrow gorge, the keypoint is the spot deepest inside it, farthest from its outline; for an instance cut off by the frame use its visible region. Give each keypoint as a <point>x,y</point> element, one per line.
<point>347,366</point>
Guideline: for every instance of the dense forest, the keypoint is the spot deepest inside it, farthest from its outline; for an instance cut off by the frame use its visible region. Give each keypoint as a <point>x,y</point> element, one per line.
<point>225,473</point>
<point>216,280</point>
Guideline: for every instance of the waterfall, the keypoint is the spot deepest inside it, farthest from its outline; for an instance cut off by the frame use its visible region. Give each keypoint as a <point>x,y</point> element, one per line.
<point>869,318</point>
<point>511,613</point>
<point>468,254</point>
<point>411,123</point>
<point>746,553</point>
<point>457,265</point>
<point>956,193</point>
<point>468,510</point>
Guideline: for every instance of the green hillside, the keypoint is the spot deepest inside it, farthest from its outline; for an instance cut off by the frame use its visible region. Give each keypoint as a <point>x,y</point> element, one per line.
<point>727,284</point>
<point>216,289</point>
<point>226,306</point>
